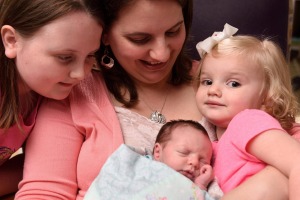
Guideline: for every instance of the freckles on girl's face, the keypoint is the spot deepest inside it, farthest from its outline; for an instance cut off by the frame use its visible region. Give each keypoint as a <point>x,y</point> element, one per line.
<point>145,45</point>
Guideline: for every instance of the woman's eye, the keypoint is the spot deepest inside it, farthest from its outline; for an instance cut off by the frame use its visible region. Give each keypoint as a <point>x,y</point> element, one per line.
<point>234,84</point>
<point>140,40</point>
<point>173,32</point>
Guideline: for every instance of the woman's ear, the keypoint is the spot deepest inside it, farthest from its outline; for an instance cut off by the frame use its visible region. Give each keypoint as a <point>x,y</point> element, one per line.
<point>157,151</point>
<point>9,39</point>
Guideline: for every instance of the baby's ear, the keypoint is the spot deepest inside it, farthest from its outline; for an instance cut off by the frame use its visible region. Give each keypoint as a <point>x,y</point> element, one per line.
<point>9,39</point>
<point>157,151</point>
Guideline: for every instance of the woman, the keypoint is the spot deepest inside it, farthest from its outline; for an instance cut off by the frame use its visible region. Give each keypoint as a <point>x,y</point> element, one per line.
<point>73,138</point>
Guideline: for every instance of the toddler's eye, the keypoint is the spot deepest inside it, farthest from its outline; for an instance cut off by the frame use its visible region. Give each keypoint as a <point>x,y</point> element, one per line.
<point>234,84</point>
<point>206,82</point>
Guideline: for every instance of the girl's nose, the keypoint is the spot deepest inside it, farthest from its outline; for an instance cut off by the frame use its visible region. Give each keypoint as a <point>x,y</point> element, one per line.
<point>80,70</point>
<point>214,89</point>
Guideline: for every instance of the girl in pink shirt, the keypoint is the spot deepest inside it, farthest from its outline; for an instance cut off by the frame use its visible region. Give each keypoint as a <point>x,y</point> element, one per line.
<point>245,91</point>
<point>46,48</point>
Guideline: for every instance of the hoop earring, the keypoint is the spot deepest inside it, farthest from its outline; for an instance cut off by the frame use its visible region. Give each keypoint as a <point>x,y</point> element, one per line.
<point>107,61</point>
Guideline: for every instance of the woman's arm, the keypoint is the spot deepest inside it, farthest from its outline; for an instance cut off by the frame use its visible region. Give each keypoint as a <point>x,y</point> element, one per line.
<point>268,184</point>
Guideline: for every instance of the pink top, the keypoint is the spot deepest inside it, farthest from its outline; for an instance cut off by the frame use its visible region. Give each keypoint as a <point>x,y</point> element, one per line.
<point>233,164</point>
<point>70,143</point>
<point>12,139</point>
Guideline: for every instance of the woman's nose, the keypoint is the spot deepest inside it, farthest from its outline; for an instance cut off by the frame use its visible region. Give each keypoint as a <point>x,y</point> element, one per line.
<point>160,50</point>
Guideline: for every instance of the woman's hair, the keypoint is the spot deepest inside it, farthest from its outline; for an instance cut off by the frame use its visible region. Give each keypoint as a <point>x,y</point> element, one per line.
<point>117,79</point>
<point>165,133</point>
<point>27,17</point>
<point>279,100</point>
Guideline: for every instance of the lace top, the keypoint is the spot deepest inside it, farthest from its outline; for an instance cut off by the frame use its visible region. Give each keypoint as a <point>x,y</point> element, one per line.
<point>140,132</point>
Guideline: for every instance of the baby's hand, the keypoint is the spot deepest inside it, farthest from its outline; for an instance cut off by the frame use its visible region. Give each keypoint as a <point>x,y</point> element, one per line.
<point>205,177</point>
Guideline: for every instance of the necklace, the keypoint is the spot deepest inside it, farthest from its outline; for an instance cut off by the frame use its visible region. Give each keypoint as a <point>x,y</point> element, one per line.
<point>157,116</point>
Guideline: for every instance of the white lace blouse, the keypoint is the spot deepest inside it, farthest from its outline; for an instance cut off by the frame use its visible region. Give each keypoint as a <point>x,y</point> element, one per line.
<point>140,132</point>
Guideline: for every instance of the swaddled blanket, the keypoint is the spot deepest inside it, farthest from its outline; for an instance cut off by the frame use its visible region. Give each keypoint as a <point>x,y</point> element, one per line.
<point>127,175</point>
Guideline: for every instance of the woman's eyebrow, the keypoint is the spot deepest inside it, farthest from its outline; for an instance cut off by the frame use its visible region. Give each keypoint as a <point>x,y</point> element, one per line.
<point>144,33</point>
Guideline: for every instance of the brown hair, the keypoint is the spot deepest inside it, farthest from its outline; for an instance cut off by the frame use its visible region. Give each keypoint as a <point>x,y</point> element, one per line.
<point>165,133</point>
<point>27,17</point>
<point>279,99</point>
<point>117,78</point>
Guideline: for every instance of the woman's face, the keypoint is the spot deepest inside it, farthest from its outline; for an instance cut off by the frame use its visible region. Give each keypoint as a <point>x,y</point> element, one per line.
<point>58,55</point>
<point>147,38</point>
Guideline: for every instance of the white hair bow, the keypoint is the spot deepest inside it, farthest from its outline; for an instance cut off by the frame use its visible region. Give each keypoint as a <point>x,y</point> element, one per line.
<point>206,45</point>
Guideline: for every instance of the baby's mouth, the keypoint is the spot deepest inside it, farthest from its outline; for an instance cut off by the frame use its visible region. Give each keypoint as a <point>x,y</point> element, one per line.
<point>187,174</point>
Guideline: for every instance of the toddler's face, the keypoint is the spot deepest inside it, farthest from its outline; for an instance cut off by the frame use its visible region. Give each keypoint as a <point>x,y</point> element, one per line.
<point>228,85</point>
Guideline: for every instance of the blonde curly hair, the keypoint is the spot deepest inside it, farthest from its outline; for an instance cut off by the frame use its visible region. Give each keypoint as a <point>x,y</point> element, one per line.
<point>279,99</point>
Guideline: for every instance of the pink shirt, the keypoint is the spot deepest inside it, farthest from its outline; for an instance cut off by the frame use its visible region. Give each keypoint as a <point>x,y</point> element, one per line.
<point>233,164</point>
<point>70,143</point>
<point>12,139</point>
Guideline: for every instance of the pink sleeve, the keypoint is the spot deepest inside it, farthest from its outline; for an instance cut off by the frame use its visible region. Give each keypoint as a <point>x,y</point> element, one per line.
<point>53,146</point>
<point>249,123</point>
<point>70,143</point>
<point>295,131</point>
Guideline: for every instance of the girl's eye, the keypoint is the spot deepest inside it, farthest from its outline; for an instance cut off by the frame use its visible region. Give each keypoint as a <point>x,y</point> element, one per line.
<point>234,84</point>
<point>91,60</point>
<point>65,58</point>
<point>206,82</point>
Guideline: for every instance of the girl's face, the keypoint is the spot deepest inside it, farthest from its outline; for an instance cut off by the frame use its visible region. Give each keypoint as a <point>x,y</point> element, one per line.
<point>228,85</point>
<point>147,38</point>
<point>186,152</point>
<point>59,55</point>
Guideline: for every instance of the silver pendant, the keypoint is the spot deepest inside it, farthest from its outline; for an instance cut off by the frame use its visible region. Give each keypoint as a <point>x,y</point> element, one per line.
<point>158,117</point>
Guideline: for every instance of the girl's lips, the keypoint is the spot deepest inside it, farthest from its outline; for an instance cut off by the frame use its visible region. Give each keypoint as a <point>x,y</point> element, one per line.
<point>66,84</point>
<point>213,103</point>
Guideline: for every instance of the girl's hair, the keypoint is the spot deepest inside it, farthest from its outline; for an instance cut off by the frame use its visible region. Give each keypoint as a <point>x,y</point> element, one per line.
<point>117,79</point>
<point>27,17</point>
<point>279,100</point>
<point>165,133</point>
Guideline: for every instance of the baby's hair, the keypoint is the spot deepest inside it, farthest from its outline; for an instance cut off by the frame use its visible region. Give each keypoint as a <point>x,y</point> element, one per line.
<point>165,133</point>
<point>279,99</point>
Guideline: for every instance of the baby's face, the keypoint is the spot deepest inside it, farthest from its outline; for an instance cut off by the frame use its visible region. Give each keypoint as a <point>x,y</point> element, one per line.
<point>186,152</point>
